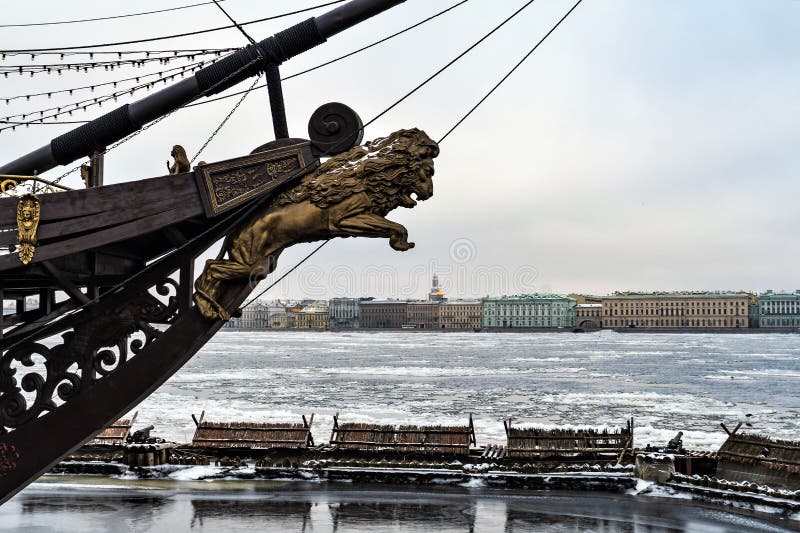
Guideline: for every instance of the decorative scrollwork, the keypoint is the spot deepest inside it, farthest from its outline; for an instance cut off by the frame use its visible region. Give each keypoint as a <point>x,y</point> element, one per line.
<point>91,350</point>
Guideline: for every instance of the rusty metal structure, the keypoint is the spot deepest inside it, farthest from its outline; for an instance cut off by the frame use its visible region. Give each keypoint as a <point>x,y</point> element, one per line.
<point>253,435</point>
<point>562,443</point>
<point>438,440</point>
<point>112,266</point>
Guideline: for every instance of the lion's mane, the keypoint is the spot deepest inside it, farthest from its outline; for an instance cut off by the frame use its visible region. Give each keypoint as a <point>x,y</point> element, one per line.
<point>382,168</point>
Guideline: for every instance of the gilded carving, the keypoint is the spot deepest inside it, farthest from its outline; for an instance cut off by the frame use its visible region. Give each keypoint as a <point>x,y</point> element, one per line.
<point>8,185</point>
<point>86,175</point>
<point>347,196</point>
<point>240,181</point>
<point>230,185</point>
<point>275,168</point>
<point>181,163</point>
<point>28,211</point>
<point>226,184</point>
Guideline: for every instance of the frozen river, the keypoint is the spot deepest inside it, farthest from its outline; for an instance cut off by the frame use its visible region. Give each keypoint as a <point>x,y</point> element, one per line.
<point>667,382</point>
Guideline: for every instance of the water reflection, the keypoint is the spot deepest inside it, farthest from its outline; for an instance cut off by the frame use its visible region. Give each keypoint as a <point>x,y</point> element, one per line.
<point>390,516</point>
<point>306,507</point>
<point>214,514</point>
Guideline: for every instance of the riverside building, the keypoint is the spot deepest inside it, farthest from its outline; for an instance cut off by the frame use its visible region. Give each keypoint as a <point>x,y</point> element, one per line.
<point>676,310</point>
<point>281,315</point>
<point>343,313</point>
<point>589,316</point>
<point>382,314</point>
<point>255,316</point>
<point>461,314</point>
<point>422,315</point>
<point>529,311</point>
<point>779,309</point>
<point>311,318</point>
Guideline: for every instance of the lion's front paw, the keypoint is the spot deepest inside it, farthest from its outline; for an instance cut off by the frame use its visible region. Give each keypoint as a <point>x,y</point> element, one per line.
<point>401,246</point>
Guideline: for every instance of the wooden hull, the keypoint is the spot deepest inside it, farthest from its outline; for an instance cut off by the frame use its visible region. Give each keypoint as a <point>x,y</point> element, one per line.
<point>124,255</point>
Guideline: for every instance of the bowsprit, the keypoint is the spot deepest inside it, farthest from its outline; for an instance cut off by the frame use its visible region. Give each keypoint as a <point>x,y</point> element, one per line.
<point>112,265</point>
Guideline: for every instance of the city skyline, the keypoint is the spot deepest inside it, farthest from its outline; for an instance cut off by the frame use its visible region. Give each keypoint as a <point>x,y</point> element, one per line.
<point>664,310</point>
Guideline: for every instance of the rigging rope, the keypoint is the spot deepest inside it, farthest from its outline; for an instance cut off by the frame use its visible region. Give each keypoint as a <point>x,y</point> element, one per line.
<point>281,278</point>
<point>76,21</point>
<point>176,35</point>
<point>345,56</point>
<point>509,73</point>
<point>461,120</point>
<point>238,26</point>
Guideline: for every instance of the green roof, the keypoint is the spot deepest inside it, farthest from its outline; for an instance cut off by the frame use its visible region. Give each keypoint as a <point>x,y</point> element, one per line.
<point>528,297</point>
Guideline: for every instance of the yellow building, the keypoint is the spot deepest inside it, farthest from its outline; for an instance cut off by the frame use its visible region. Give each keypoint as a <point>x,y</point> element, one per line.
<point>676,310</point>
<point>281,320</point>
<point>461,314</point>
<point>311,318</point>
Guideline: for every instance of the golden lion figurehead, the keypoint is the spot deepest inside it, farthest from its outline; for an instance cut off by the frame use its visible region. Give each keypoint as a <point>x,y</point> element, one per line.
<point>389,169</point>
<point>349,195</point>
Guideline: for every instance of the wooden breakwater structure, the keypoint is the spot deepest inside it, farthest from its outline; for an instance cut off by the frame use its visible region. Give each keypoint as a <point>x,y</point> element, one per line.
<point>433,439</point>
<point>252,435</point>
<point>115,434</point>
<point>760,459</point>
<point>541,443</point>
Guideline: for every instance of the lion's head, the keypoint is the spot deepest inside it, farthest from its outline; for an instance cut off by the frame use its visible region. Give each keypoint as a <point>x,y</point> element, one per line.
<point>389,169</point>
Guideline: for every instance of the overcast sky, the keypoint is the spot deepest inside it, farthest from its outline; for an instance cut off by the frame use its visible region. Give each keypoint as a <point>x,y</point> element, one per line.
<point>647,144</point>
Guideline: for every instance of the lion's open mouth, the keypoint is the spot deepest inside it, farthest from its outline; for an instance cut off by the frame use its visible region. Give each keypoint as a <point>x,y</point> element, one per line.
<point>406,200</point>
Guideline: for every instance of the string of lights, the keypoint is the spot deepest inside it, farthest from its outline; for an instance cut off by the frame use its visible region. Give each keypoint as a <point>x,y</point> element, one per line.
<point>119,53</point>
<point>83,105</point>
<point>159,119</point>
<point>85,67</point>
<point>70,91</point>
<point>166,74</point>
